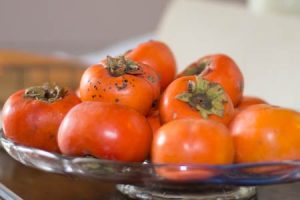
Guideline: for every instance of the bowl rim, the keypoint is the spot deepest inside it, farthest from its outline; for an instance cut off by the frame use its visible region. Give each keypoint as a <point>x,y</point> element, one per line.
<point>147,163</point>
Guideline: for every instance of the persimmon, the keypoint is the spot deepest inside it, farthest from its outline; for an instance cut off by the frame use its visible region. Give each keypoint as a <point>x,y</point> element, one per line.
<point>249,101</point>
<point>77,92</point>
<point>154,120</point>
<point>246,102</point>
<point>221,69</point>
<point>32,116</point>
<point>122,81</point>
<point>263,133</point>
<point>158,56</point>
<point>191,142</point>
<point>106,131</point>
<point>195,97</point>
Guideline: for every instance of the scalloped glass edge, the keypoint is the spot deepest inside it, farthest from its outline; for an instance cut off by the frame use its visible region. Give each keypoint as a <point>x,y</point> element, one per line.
<point>250,174</point>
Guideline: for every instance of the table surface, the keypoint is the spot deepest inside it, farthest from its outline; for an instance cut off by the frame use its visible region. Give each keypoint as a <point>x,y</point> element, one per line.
<point>29,183</point>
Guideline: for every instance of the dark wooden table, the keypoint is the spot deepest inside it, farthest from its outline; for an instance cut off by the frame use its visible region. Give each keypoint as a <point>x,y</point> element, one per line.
<point>34,184</point>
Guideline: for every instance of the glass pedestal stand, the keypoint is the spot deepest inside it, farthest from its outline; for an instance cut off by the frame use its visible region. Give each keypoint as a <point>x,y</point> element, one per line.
<point>200,192</point>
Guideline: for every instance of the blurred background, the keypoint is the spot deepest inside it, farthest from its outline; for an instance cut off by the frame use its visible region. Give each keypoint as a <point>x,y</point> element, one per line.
<point>75,26</point>
<point>55,40</point>
<point>42,40</point>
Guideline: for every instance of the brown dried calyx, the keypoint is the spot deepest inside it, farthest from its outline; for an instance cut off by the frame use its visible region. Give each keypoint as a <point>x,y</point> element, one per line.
<point>47,92</point>
<point>206,97</point>
<point>197,68</point>
<point>120,65</point>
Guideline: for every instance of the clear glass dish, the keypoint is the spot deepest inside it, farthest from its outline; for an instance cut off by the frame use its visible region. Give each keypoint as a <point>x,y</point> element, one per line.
<point>144,180</point>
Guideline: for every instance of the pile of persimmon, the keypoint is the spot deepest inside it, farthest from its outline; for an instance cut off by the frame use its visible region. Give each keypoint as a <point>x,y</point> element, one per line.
<point>135,107</point>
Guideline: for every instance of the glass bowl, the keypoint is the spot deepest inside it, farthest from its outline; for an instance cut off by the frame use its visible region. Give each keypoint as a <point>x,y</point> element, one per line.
<point>146,180</point>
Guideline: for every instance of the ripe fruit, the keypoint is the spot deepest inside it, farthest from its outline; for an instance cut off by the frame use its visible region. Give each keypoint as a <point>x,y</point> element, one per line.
<point>249,101</point>
<point>158,56</point>
<point>122,81</point>
<point>194,97</point>
<point>31,117</point>
<point>264,133</point>
<point>191,141</point>
<point>105,130</point>
<point>246,102</point>
<point>221,69</point>
<point>154,120</point>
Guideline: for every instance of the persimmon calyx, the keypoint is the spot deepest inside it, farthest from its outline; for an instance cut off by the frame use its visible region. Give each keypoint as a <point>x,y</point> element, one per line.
<point>120,65</point>
<point>197,68</point>
<point>47,92</point>
<point>206,97</point>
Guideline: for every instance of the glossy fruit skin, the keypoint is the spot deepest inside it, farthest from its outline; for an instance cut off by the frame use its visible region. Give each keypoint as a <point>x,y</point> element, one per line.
<point>159,56</point>
<point>105,130</point>
<point>171,108</point>
<point>154,121</point>
<point>35,123</point>
<point>263,133</point>
<point>77,92</point>
<point>249,101</point>
<point>192,141</point>
<point>223,70</point>
<point>97,84</point>
<point>246,102</point>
